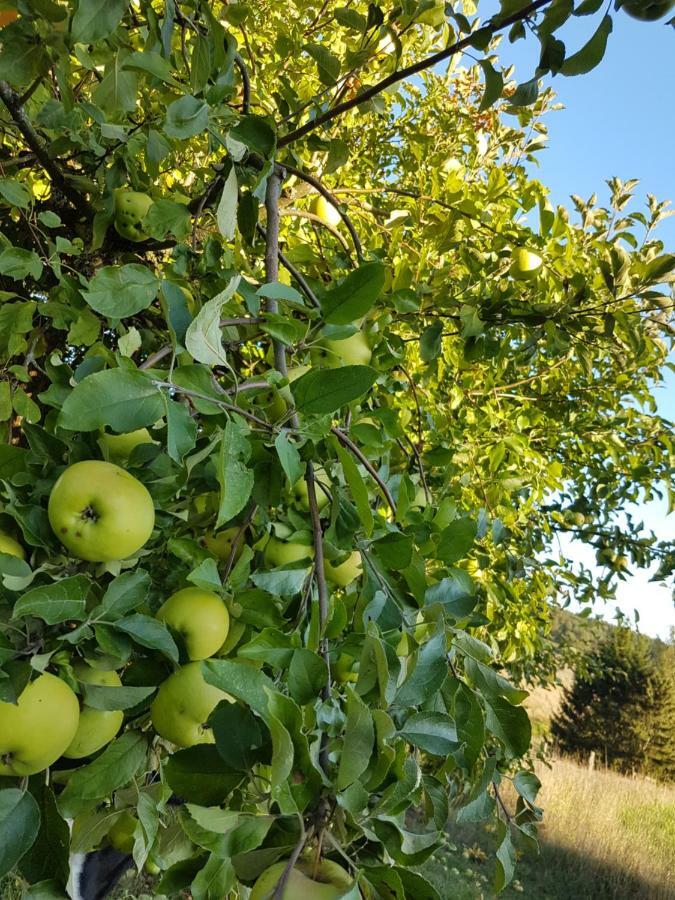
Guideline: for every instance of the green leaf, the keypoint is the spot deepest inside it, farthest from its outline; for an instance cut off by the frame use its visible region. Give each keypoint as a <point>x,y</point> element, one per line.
<point>234,477</point>
<point>526,93</point>
<point>357,487</point>
<point>14,193</point>
<point>326,390</point>
<point>226,212</point>
<point>355,295</point>
<point>256,134</point>
<point>121,291</point>
<point>288,456</point>
<point>48,858</point>
<point>125,593</point>
<point>358,741</point>
<point>55,603</point>
<point>214,881</point>
<point>204,337</point>
<point>591,53</point>
<point>431,341</point>
<point>239,736</point>
<point>181,430</point>
<point>166,217</point>
<point>327,64</point>
<point>506,858</point>
<point>199,775</point>
<point>113,769</point>
<point>510,724</point>
<point>96,19</point>
<point>19,826</point>
<point>151,633</point>
<point>307,676</point>
<point>18,264</point>
<point>457,539</point>
<point>457,594</point>
<point>470,724</point>
<point>588,7</point>
<point>241,680</point>
<point>432,732</point>
<point>153,63</point>
<point>429,673</point>
<point>494,84</point>
<point>103,697</point>
<point>186,117</point>
<point>528,786</point>
<point>120,398</point>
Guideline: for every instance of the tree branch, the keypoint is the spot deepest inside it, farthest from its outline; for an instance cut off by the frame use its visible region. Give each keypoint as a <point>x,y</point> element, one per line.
<point>299,277</point>
<point>12,101</point>
<point>350,445</point>
<point>493,26</point>
<point>332,199</point>
<point>272,195</point>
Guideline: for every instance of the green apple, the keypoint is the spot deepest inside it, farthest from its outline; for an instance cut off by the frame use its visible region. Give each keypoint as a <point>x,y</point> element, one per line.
<point>183,705</point>
<point>299,490</point>
<point>100,512</point>
<point>344,573</point>
<point>206,503</point>
<point>525,265</point>
<point>219,543</point>
<point>96,727</point>
<point>328,882</point>
<point>10,546</point>
<point>35,732</point>
<point>200,617</point>
<point>648,10</point>
<point>283,553</point>
<point>272,402</point>
<point>131,207</point>
<point>117,448</point>
<point>351,351</point>
<point>325,210</point>
<point>121,834</point>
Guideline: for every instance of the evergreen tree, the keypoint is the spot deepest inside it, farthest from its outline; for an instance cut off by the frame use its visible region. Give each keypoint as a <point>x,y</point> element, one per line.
<point>622,706</point>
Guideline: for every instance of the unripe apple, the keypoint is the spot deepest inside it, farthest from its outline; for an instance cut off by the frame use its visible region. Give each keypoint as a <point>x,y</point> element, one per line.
<point>100,512</point>
<point>116,448</point>
<point>35,732</point>
<point>327,881</point>
<point>351,351</point>
<point>326,211</point>
<point>300,495</point>
<point>121,834</point>
<point>183,705</point>
<point>525,265</point>
<point>200,617</point>
<point>648,10</point>
<point>344,573</point>
<point>96,727</point>
<point>131,207</point>
<point>272,402</point>
<point>283,553</point>
<point>220,543</point>
<point>294,373</point>
<point>10,546</point>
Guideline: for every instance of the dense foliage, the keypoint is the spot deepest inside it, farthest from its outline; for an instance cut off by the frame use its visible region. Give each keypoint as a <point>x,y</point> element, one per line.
<point>622,707</point>
<point>366,454</point>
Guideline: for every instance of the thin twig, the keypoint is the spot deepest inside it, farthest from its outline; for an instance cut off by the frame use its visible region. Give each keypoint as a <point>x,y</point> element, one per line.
<point>11,100</point>
<point>272,195</point>
<point>350,445</point>
<point>280,889</point>
<point>229,407</point>
<point>319,574</point>
<point>245,84</point>
<point>317,220</point>
<point>236,543</point>
<point>493,26</point>
<point>501,803</point>
<point>332,199</point>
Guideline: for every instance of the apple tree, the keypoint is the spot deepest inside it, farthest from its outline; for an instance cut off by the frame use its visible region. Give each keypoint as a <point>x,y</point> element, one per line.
<point>302,378</point>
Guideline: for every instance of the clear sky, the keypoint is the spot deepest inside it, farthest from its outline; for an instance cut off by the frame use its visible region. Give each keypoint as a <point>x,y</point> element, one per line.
<point>618,120</point>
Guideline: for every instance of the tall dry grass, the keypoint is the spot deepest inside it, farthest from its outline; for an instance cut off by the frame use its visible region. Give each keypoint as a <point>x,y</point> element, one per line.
<point>604,829</point>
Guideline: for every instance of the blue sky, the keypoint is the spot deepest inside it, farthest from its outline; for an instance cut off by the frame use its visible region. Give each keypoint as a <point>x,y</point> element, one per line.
<point>618,120</point>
